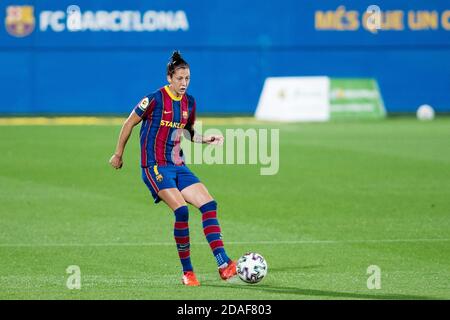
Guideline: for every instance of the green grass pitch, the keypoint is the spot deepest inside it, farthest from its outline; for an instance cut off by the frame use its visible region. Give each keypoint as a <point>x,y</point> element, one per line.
<point>347,196</point>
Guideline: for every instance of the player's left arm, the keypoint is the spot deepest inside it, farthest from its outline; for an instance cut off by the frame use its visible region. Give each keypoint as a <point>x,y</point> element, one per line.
<point>194,136</point>
<point>212,139</point>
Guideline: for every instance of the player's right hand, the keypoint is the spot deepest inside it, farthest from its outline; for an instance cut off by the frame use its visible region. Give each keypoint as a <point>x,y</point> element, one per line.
<point>116,161</point>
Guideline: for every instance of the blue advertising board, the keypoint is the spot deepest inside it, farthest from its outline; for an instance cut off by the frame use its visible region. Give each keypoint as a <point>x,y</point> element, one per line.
<point>101,57</point>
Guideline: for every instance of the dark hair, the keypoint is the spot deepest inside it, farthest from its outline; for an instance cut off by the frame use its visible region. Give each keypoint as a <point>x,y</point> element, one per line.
<point>176,62</point>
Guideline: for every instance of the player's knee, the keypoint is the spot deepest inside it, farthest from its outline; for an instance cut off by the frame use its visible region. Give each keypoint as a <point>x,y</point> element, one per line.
<point>182,213</point>
<point>208,206</point>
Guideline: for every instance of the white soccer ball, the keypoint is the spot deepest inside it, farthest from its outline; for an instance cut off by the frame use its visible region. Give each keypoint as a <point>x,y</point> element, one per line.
<point>251,267</point>
<point>425,112</point>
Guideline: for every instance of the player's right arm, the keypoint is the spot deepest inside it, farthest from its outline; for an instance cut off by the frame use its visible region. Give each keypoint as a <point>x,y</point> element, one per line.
<point>127,127</point>
<point>141,110</point>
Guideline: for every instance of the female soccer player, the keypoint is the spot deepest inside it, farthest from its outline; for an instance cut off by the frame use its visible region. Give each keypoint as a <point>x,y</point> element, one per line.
<point>165,115</point>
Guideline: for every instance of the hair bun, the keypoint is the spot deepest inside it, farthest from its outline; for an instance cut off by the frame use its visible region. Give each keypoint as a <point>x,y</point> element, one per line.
<point>175,56</point>
<point>175,62</point>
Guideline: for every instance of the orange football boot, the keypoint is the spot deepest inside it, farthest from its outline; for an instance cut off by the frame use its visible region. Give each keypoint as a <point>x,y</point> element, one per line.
<point>229,271</point>
<point>189,279</point>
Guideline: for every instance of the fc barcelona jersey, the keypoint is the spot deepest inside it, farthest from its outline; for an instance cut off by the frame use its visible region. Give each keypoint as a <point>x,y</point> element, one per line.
<point>164,117</point>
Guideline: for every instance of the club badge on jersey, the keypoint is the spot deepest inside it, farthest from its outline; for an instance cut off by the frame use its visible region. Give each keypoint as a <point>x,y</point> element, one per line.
<point>159,176</point>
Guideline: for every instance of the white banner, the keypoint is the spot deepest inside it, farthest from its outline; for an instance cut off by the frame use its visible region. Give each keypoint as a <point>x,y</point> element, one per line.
<point>294,99</point>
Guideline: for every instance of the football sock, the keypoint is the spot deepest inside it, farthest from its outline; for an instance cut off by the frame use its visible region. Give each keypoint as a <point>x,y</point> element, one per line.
<point>212,231</point>
<point>181,234</point>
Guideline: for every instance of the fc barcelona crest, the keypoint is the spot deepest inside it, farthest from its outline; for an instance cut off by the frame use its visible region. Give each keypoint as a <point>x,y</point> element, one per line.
<point>159,176</point>
<point>19,20</point>
<point>185,114</point>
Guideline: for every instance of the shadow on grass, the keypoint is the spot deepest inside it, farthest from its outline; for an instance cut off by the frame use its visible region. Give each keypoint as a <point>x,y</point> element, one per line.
<point>319,293</point>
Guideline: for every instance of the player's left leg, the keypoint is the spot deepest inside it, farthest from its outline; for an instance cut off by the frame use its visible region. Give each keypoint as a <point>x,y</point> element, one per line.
<point>198,195</point>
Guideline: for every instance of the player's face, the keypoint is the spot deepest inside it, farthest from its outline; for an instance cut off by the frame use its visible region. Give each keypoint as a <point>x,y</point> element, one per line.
<point>179,81</point>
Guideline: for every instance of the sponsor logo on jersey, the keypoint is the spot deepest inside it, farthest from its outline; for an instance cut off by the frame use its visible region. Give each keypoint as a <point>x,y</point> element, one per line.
<point>177,125</point>
<point>19,20</point>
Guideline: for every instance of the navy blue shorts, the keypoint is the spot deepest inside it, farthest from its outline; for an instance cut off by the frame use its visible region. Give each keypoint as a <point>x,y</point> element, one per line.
<point>158,178</point>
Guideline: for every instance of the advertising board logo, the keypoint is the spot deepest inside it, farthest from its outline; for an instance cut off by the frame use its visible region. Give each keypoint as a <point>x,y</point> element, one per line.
<point>20,20</point>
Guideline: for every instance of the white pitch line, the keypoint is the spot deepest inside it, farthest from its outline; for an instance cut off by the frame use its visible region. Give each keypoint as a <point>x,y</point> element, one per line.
<point>281,242</point>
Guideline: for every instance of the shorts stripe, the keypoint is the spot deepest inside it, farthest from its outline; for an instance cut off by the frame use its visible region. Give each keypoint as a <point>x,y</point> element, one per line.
<point>149,177</point>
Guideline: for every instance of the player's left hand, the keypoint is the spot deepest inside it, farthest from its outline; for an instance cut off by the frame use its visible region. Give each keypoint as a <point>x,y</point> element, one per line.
<point>216,139</point>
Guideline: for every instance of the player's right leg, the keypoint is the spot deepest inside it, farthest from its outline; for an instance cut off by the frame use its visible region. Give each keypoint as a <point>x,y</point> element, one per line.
<point>173,198</point>
<point>161,183</point>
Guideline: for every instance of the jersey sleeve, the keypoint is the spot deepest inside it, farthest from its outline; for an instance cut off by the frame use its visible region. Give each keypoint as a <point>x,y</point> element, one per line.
<point>145,106</point>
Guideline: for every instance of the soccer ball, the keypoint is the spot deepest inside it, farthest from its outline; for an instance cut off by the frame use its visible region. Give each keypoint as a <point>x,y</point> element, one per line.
<point>425,112</point>
<point>251,267</point>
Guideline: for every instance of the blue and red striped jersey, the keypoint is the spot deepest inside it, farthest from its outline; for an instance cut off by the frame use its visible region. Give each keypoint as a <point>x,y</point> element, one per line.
<point>164,117</point>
